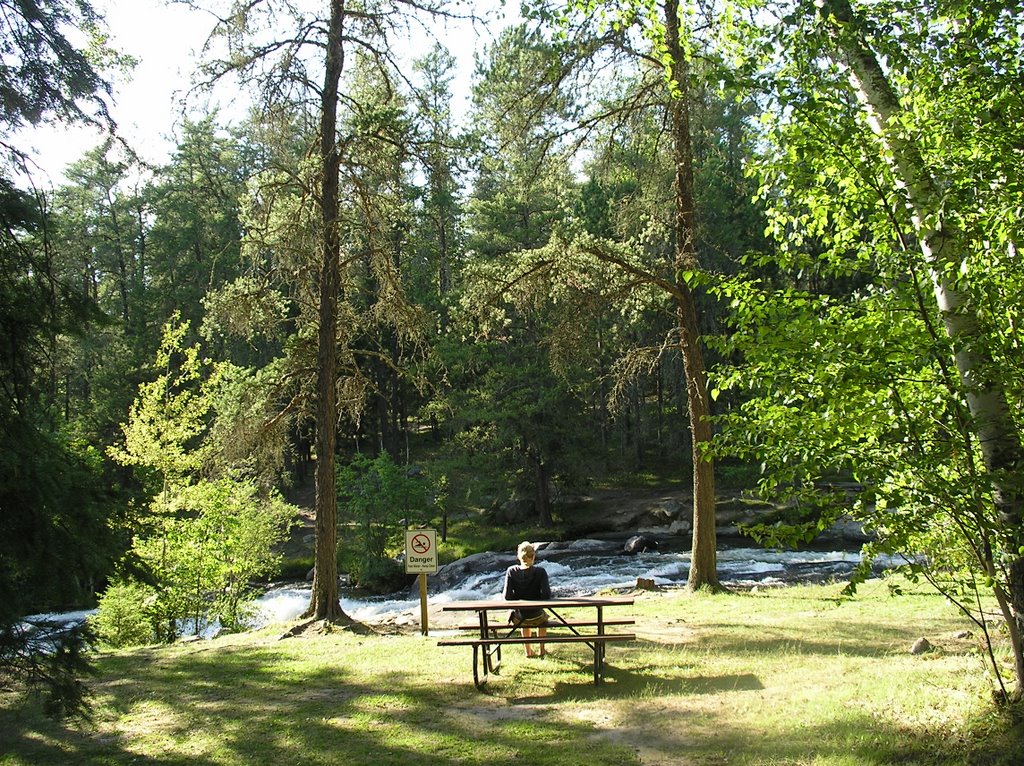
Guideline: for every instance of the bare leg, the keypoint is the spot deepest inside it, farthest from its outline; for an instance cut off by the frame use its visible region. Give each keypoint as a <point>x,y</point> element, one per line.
<point>541,632</point>
<point>527,633</point>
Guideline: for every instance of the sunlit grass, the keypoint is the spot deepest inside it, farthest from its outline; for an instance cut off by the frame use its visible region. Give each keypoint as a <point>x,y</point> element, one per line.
<point>786,676</point>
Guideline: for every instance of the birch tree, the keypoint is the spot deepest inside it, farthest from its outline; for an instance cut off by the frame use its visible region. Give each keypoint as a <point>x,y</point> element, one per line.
<point>946,253</point>
<point>894,139</point>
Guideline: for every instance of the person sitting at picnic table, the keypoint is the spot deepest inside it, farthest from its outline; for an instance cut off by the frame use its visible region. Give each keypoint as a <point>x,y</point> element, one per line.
<point>526,582</point>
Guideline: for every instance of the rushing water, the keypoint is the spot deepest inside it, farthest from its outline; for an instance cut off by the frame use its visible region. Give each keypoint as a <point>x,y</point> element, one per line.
<point>572,573</point>
<point>587,573</point>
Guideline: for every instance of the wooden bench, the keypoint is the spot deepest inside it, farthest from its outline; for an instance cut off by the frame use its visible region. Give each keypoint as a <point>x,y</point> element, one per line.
<point>491,636</point>
<point>567,623</point>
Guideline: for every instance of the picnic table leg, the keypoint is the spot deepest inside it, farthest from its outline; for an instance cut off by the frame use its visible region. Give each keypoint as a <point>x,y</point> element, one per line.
<point>492,654</point>
<point>598,662</point>
<point>479,681</point>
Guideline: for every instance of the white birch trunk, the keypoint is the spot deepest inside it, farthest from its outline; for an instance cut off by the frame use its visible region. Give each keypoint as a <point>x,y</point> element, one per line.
<point>942,248</point>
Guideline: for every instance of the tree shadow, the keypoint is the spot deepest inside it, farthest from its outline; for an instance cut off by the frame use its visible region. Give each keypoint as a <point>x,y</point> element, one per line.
<point>242,705</point>
<point>217,703</point>
<point>850,738</point>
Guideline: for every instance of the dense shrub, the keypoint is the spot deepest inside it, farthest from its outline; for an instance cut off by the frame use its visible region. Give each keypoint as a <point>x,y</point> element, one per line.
<point>377,500</point>
<point>125,615</point>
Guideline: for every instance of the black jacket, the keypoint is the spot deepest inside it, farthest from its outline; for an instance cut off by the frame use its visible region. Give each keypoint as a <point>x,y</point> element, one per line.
<point>527,584</point>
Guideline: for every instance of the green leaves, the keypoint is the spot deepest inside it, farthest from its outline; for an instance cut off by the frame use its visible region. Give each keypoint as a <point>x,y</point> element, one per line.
<point>378,499</point>
<point>163,434</point>
<point>207,534</point>
<point>218,539</point>
<point>843,367</point>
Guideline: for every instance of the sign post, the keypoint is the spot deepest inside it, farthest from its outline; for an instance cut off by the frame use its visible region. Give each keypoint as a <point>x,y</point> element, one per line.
<point>421,559</point>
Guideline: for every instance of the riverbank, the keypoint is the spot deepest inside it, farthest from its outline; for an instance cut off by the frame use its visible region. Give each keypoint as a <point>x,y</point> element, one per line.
<point>587,551</point>
<point>780,676</point>
<point>663,514</point>
<point>578,568</point>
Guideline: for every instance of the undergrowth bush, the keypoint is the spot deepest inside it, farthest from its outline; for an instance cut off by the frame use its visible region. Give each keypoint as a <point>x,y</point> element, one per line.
<point>124,616</point>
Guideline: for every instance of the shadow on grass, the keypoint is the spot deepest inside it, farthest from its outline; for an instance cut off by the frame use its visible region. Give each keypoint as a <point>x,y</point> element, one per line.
<point>642,679</point>
<point>281,704</point>
<point>852,738</point>
<point>27,737</point>
<point>662,730</point>
<point>572,679</point>
<point>244,705</point>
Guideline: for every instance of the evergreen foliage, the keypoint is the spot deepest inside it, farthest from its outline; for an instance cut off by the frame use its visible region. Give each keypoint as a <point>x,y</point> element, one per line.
<point>527,299</point>
<point>55,540</point>
<point>377,499</point>
<point>124,616</point>
<point>43,76</point>
<point>56,543</point>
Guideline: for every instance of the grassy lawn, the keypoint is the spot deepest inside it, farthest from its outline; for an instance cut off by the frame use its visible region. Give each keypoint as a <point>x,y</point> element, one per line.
<point>781,676</point>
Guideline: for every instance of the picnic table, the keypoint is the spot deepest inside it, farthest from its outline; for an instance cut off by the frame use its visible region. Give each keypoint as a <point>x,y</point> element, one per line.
<point>495,628</point>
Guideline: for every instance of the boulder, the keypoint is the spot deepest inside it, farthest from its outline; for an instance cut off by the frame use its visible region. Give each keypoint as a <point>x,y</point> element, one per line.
<point>921,646</point>
<point>639,544</point>
<point>680,527</point>
<point>583,545</point>
<point>458,571</point>
<point>730,511</point>
<point>673,508</point>
<point>661,514</point>
<point>514,512</point>
<point>850,531</point>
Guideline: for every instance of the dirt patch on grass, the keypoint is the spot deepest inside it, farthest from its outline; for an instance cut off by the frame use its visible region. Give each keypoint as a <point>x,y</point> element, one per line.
<point>654,730</point>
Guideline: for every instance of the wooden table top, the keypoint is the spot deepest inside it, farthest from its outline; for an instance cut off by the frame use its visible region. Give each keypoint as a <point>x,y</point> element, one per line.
<point>554,603</point>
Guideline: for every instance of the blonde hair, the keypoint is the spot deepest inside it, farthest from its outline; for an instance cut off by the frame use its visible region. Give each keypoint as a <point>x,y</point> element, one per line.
<point>526,553</point>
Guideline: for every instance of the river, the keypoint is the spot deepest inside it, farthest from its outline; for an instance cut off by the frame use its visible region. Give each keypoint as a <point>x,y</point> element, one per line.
<point>578,569</point>
<point>587,572</point>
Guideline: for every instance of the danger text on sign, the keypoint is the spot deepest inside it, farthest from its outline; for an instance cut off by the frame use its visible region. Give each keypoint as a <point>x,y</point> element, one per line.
<point>421,551</point>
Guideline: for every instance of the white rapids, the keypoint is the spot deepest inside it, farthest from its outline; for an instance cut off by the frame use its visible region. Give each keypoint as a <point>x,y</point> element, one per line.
<point>572,574</point>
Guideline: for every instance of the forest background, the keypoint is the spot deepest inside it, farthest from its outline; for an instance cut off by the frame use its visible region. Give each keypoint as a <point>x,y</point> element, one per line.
<point>778,236</point>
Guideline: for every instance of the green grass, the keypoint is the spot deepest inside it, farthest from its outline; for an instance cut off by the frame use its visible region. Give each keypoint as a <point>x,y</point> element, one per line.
<point>778,677</point>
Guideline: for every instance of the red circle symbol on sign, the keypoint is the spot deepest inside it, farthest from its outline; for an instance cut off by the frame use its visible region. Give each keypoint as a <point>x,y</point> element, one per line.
<point>420,543</point>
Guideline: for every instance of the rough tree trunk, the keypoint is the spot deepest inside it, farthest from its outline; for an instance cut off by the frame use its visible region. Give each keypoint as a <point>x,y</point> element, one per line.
<point>324,603</point>
<point>704,555</point>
